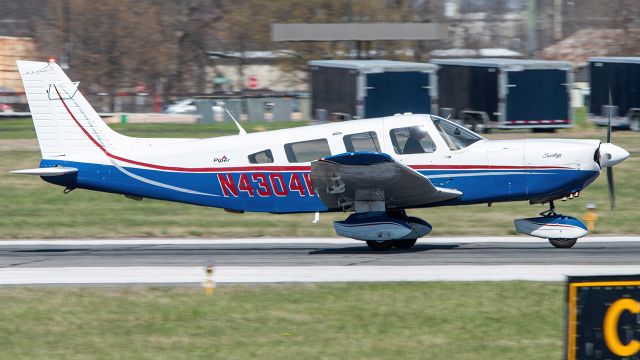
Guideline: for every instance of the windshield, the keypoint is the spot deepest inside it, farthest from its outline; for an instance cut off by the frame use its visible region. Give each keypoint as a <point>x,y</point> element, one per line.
<point>457,137</point>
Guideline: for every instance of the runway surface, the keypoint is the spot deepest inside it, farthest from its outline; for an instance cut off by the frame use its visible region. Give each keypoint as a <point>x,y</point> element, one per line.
<point>309,260</point>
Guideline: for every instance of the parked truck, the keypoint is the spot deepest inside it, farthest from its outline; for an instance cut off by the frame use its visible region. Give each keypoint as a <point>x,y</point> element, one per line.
<point>485,94</point>
<point>346,89</point>
<point>621,77</point>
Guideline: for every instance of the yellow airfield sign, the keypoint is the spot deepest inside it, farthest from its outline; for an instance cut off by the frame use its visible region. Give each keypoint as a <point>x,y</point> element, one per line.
<point>603,317</point>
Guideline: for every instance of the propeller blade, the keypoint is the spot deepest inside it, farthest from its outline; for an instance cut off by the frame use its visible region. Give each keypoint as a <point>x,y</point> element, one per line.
<point>609,112</point>
<point>612,192</point>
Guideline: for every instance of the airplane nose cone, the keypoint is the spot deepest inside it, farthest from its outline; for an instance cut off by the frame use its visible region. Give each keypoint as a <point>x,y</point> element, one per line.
<point>611,155</point>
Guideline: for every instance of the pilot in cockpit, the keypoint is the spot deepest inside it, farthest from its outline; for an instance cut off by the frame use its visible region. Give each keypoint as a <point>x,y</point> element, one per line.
<point>413,145</point>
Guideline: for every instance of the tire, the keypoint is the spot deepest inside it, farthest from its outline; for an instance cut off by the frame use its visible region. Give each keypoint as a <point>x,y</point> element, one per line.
<point>563,243</point>
<point>634,124</point>
<point>404,244</point>
<point>380,245</point>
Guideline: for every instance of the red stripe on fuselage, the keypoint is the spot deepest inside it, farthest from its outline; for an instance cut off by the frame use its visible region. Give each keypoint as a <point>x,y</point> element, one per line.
<point>483,167</point>
<point>175,168</point>
<point>268,168</point>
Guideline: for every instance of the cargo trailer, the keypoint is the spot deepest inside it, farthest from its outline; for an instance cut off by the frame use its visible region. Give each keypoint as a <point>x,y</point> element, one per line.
<point>621,77</point>
<point>346,89</point>
<point>486,94</point>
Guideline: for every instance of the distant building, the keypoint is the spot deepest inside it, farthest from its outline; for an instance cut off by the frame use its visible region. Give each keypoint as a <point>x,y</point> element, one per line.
<point>583,44</point>
<point>476,53</point>
<point>12,49</point>
<point>235,71</point>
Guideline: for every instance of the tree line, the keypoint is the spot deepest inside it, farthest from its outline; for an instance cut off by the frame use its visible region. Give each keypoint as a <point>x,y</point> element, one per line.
<point>119,44</point>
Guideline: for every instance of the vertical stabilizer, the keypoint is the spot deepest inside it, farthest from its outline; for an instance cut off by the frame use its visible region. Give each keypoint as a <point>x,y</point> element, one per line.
<point>61,115</point>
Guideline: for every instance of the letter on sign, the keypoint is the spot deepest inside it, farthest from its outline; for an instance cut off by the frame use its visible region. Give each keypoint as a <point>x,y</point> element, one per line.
<point>610,327</point>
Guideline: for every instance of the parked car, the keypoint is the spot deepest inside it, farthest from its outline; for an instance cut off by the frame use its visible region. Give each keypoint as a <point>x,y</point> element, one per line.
<point>6,108</point>
<point>186,106</point>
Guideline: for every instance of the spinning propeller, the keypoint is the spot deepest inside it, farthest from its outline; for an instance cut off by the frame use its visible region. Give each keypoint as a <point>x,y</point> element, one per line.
<point>608,156</point>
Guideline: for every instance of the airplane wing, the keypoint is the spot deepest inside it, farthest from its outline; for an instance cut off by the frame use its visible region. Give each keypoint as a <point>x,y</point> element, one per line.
<point>340,180</point>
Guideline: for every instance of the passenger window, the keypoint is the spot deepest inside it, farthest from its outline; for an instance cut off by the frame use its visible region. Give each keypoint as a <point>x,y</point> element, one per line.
<point>306,151</point>
<point>412,140</point>
<point>367,141</point>
<point>262,157</point>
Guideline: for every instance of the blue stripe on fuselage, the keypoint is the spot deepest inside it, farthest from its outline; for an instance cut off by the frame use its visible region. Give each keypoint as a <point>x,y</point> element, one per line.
<point>478,186</point>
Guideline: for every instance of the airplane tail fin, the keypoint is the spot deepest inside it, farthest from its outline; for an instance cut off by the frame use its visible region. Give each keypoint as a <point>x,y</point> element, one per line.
<point>65,122</point>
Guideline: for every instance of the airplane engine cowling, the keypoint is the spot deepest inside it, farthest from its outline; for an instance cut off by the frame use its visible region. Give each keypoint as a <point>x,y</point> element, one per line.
<point>379,226</point>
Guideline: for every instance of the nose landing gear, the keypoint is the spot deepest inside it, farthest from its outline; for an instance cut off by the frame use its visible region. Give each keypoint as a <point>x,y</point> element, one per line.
<point>563,243</point>
<point>561,231</point>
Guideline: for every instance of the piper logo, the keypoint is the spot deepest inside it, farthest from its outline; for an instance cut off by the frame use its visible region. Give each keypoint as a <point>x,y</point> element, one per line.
<point>610,327</point>
<point>220,160</point>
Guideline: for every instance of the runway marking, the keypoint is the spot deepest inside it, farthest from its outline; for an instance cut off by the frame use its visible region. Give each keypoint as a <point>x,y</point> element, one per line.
<point>302,274</point>
<point>268,240</point>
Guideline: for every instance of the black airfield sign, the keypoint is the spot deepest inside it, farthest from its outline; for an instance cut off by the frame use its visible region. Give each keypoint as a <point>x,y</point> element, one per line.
<point>603,317</point>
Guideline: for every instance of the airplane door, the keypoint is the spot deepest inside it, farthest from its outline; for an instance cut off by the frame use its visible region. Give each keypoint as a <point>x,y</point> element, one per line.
<point>438,166</point>
<point>506,159</point>
<point>427,155</point>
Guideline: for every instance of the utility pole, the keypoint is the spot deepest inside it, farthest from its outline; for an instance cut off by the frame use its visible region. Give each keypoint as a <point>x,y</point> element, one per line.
<point>66,50</point>
<point>532,36</point>
<point>557,19</point>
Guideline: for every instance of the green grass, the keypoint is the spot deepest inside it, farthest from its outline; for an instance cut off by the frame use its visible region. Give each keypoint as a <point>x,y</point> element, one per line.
<point>34,209</point>
<point>580,118</point>
<point>481,320</point>
<point>17,129</point>
<point>23,129</point>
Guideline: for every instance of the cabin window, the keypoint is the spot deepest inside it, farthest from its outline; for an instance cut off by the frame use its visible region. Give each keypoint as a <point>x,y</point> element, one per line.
<point>262,157</point>
<point>457,137</point>
<point>305,151</point>
<point>367,141</point>
<point>412,140</point>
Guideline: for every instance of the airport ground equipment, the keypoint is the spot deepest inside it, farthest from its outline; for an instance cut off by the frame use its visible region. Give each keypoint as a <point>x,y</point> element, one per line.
<point>486,94</point>
<point>619,76</point>
<point>375,169</point>
<point>345,89</point>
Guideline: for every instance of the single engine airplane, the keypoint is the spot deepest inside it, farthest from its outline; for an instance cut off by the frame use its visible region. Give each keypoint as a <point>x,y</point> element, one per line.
<point>375,169</point>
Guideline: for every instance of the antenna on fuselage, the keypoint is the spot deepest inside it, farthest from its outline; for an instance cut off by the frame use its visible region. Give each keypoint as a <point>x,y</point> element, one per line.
<point>241,130</point>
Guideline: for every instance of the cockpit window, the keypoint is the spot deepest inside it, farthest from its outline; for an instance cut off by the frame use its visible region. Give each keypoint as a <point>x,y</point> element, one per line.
<point>412,140</point>
<point>457,137</point>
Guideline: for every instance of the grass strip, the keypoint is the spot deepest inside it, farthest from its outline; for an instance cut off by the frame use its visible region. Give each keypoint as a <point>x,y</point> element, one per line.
<point>478,320</point>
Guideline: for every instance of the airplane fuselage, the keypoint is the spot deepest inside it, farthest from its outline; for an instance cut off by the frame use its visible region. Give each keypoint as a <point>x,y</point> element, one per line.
<point>269,172</point>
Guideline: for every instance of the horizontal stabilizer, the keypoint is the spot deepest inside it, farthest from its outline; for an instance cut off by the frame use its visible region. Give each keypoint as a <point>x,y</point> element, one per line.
<point>51,171</point>
<point>364,176</point>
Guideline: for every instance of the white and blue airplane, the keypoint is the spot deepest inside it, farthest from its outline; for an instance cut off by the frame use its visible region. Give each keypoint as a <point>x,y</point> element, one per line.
<point>374,169</point>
